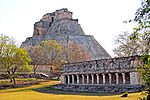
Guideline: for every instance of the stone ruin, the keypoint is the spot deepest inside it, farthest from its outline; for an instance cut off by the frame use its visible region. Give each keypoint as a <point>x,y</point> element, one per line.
<point>105,75</point>
<point>102,73</point>
<point>60,26</point>
<point>41,27</point>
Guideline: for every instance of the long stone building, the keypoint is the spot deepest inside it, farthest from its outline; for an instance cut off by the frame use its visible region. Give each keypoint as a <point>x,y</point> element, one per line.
<point>117,72</point>
<point>105,71</point>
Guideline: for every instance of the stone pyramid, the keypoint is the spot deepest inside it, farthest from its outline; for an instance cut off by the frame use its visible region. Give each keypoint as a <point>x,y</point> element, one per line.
<point>60,26</point>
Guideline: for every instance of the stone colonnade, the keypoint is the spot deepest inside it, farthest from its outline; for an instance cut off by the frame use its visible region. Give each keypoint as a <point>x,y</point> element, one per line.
<point>103,78</point>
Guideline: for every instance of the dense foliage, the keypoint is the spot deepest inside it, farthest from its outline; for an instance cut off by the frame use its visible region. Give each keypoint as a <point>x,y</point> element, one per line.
<point>142,34</point>
<point>138,43</point>
<point>13,60</point>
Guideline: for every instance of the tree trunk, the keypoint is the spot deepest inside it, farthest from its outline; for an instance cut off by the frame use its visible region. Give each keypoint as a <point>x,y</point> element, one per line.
<point>9,76</point>
<point>34,74</point>
<point>11,80</point>
<point>58,76</point>
<point>14,81</point>
<point>34,71</point>
<point>50,71</point>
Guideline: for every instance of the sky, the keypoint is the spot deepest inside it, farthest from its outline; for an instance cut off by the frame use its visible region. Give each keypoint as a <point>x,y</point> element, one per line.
<point>101,18</point>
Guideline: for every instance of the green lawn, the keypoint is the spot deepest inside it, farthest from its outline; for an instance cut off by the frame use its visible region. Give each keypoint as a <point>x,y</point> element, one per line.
<point>30,93</point>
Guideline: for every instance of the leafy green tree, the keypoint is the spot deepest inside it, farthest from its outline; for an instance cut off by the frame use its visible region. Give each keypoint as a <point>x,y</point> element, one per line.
<point>142,34</point>
<point>20,62</point>
<point>145,74</point>
<point>13,60</point>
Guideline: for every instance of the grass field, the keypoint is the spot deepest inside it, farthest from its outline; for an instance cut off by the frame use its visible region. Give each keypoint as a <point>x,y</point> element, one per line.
<point>30,93</point>
<point>18,81</point>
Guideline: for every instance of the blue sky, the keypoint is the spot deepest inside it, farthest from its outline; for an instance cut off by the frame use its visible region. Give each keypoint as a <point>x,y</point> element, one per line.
<point>101,18</point>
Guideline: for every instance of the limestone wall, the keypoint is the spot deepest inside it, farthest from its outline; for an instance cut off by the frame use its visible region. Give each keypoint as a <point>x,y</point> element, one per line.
<point>63,13</point>
<point>123,64</point>
<point>134,76</point>
<point>41,27</point>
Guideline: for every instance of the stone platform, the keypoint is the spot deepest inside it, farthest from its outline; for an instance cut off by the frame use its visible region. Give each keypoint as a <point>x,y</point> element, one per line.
<point>99,88</point>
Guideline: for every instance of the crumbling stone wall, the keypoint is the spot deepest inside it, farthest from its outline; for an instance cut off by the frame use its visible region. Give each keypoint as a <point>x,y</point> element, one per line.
<point>123,64</point>
<point>41,27</point>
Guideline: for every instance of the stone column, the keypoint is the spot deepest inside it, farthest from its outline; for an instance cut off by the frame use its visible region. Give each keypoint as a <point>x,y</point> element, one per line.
<point>68,79</point>
<point>72,79</point>
<point>97,78</point>
<point>123,77</point>
<point>109,78</point>
<point>87,78</point>
<point>134,78</point>
<point>62,79</point>
<point>92,78</point>
<point>83,79</point>
<point>103,78</point>
<point>77,79</point>
<point>117,78</point>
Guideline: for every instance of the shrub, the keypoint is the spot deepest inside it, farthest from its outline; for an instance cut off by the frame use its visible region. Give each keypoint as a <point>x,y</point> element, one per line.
<point>125,94</point>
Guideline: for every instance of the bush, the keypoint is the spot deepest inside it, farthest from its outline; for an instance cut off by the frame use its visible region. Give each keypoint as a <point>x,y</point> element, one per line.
<point>125,94</point>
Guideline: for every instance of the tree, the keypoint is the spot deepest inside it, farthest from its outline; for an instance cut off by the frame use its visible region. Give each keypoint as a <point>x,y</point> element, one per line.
<point>7,46</point>
<point>52,54</point>
<point>5,40</point>
<point>37,57</point>
<point>13,60</point>
<point>142,34</point>
<point>20,62</point>
<point>126,46</point>
<point>144,71</point>
<point>74,53</point>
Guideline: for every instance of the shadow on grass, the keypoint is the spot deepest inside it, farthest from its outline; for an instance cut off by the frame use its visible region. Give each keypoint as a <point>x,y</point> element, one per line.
<point>50,90</point>
<point>18,89</point>
<point>11,91</point>
<point>24,87</point>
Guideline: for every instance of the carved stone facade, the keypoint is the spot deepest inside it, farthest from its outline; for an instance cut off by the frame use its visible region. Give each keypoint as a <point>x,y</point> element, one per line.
<point>102,75</point>
<point>122,70</point>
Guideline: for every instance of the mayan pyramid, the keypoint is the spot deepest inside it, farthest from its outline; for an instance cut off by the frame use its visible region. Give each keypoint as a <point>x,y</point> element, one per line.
<point>60,26</point>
